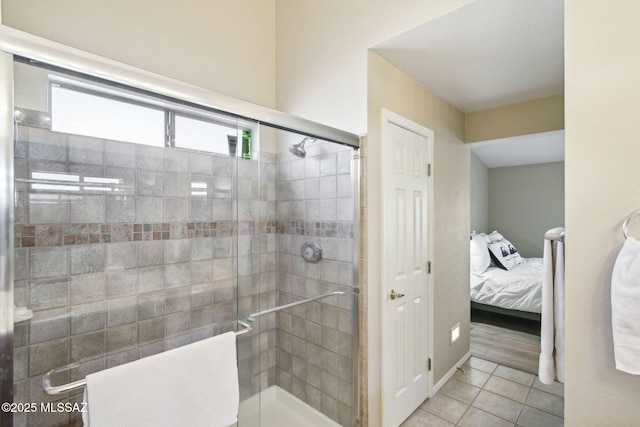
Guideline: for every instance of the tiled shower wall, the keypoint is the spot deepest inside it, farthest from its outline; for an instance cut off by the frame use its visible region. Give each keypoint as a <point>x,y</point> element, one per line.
<point>135,252</point>
<point>314,341</point>
<point>125,250</point>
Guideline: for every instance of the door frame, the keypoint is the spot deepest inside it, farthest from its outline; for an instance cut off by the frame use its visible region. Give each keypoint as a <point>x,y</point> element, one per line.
<point>389,117</point>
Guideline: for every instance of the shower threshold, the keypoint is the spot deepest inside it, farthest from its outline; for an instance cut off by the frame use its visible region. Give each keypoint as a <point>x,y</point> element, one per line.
<point>275,407</point>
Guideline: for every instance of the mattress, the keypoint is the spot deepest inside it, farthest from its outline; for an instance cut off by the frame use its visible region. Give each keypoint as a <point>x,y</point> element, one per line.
<point>517,289</point>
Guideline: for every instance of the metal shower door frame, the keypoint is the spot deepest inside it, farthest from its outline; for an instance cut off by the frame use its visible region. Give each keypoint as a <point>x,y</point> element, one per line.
<point>6,234</point>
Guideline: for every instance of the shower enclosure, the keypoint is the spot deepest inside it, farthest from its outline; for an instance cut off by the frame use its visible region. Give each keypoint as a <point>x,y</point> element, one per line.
<point>142,222</point>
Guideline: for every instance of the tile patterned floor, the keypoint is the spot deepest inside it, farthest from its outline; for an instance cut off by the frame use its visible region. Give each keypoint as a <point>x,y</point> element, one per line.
<point>491,395</point>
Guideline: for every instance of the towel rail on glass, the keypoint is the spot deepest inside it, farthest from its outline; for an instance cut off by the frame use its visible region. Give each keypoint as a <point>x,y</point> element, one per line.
<point>54,390</point>
<point>252,317</point>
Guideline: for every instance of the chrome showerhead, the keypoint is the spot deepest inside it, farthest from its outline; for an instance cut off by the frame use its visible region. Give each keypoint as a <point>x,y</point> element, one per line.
<point>298,149</point>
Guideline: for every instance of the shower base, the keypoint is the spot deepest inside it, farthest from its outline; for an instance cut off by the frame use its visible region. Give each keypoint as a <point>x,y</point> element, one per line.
<point>275,407</point>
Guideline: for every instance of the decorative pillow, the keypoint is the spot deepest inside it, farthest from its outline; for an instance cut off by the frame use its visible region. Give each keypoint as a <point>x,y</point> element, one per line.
<point>515,255</point>
<point>480,257</point>
<point>501,255</point>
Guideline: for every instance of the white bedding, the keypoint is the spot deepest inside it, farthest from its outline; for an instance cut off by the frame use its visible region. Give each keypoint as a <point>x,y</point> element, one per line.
<point>517,289</point>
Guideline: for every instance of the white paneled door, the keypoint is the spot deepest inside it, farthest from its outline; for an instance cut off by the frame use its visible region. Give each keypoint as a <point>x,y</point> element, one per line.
<point>406,170</point>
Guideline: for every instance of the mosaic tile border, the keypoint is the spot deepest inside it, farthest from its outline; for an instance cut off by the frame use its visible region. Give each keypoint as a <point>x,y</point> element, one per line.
<point>52,235</point>
<point>342,230</point>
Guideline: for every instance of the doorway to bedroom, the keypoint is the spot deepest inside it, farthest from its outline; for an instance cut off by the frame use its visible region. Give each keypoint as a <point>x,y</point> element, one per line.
<point>501,63</point>
<point>514,199</point>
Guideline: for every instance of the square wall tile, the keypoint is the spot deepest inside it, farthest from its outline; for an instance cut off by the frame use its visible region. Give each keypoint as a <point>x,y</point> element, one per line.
<point>87,209</point>
<point>87,258</point>
<point>119,154</point>
<point>85,150</point>
<point>48,262</point>
<point>88,317</point>
<point>48,293</point>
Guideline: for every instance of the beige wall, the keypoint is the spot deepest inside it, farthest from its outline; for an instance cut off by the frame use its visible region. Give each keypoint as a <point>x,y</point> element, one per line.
<point>322,53</point>
<point>524,118</point>
<point>393,90</point>
<point>225,46</point>
<point>479,190</point>
<point>602,66</point>
<point>526,201</point>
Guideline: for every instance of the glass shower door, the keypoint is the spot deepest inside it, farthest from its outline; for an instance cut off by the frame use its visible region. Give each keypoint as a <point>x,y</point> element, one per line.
<point>304,351</point>
<point>126,244</point>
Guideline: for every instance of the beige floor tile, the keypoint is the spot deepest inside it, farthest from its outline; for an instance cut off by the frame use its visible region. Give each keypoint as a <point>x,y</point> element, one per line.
<point>554,388</point>
<point>421,418</point>
<point>498,405</point>
<point>476,418</point>
<point>532,417</point>
<point>461,391</point>
<point>472,376</point>
<point>546,401</point>
<point>514,375</point>
<point>444,407</point>
<point>507,388</point>
<point>481,365</point>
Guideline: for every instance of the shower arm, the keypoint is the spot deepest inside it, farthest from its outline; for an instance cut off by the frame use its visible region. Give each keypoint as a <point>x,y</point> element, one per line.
<point>252,317</point>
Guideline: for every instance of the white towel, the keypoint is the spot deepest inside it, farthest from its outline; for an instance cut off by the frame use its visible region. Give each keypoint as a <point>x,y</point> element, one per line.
<point>195,385</point>
<point>625,307</point>
<point>558,307</point>
<point>552,364</point>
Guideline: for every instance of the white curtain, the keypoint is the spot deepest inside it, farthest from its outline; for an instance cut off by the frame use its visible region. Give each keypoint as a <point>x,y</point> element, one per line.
<point>552,365</point>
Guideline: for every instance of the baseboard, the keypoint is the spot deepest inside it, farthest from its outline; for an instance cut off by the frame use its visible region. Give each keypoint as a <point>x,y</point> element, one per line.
<point>451,372</point>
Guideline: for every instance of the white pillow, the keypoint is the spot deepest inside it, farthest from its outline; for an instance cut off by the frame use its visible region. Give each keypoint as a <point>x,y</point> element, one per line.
<point>501,255</point>
<point>480,258</point>
<point>515,255</point>
<point>503,252</point>
<point>495,236</point>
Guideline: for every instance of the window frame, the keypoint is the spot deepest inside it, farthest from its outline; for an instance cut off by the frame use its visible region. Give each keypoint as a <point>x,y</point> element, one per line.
<point>171,110</point>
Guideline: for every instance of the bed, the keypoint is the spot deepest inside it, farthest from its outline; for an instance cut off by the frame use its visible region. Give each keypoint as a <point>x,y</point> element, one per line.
<point>513,286</point>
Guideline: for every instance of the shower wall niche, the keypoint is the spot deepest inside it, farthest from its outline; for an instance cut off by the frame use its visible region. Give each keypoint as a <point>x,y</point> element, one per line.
<point>124,250</point>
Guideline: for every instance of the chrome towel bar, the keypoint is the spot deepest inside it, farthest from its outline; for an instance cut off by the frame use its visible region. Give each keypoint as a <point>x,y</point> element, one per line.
<point>54,390</point>
<point>292,304</point>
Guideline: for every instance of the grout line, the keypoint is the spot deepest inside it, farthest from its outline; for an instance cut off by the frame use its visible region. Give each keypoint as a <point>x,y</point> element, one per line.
<point>525,402</point>
<point>469,405</point>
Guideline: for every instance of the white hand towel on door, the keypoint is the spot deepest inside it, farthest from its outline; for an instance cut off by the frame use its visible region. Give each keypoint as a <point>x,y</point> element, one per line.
<point>195,385</point>
<point>625,307</point>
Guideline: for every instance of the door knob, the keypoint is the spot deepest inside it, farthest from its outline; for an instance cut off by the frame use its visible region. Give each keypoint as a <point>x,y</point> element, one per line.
<point>393,294</point>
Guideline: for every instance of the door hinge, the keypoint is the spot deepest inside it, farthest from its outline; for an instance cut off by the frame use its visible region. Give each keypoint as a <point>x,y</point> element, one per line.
<point>428,267</point>
<point>429,364</point>
<point>429,169</point>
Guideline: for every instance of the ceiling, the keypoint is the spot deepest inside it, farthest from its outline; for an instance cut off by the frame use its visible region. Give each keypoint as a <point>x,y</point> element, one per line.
<point>532,149</point>
<point>487,54</point>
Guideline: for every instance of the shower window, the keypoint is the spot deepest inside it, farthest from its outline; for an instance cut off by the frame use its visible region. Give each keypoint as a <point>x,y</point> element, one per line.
<point>81,113</point>
<point>189,134</point>
<point>80,108</point>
